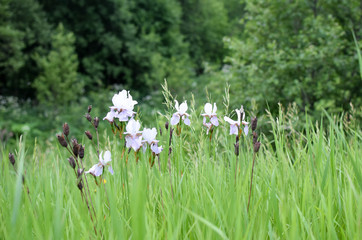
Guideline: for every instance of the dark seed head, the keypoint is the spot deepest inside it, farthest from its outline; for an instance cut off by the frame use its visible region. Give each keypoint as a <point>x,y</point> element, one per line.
<point>166,125</point>
<point>256,147</point>
<point>236,150</point>
<point>237,138</point>
<point>96,122</point>
<point>255,137</point>
<point>89,135</point>
<point>89,108</point>
<point>88,117</point>
<point>160,132</point>
<point>76,150</point>
<point>66,129</point>
<point>71,162</point>
<point>61,140</point>
<point>12,159</point>
<point>80,185</point>
<point>81,151</point>
<point>254,123</point>
<point>169,150</point>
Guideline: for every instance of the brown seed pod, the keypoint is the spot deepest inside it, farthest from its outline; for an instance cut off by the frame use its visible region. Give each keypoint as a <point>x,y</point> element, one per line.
<point>255,137</point>
<point>166,125</point>
<point>66,129</point>
<point>96,122</point>
<point>81,151</point>
<point>12,159</point>
<point>256,147</point>
<point>89,108</point>
<point>236,150</point>
<point>80,185</point>
<point>254,123</point>
<point>88,117</point>
<point>89,135</point>
<point>61,140</point>
<point>71,162</point>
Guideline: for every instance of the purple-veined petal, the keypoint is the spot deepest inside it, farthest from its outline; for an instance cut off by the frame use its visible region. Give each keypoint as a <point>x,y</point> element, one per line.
<point>110,169</point>
<point>187,121</point>
<point>233,129</point>
<point>246,130</point>
<point>175,119</point>
<point>214,121</point>
<point>110,116</point>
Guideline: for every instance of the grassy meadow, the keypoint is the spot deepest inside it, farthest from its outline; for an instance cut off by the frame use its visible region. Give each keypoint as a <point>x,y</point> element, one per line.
<point>306,185</point>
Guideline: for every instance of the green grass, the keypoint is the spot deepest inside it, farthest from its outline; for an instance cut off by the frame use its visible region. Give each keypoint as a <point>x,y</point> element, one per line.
<point>307,185</point>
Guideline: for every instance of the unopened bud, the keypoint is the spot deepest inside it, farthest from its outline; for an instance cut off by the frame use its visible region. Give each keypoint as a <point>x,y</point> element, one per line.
<point>71,162</point>
<point>80,185</point>
<point>166,125</point>
<point>89,108</point>
<point>88,117</point>
<point>170,150</point>
<point>12,159</point>
<point>89,135</point>
<point>66,129</point>
<point>236,150</point>
<point>81,151</point>
<point>160,132</point>
<point>254,123</point>
<point>256,147</point>
<point>255,137</point>
<point>96,122</point>
<point>237,138</point>
<point>76,150</point>
<point>61,140</point>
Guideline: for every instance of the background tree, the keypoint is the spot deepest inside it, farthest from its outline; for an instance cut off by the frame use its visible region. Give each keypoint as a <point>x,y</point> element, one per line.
<point>58,83</point>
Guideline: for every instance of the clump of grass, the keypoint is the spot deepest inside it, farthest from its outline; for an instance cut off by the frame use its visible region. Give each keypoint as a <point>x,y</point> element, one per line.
<point>306,184</point>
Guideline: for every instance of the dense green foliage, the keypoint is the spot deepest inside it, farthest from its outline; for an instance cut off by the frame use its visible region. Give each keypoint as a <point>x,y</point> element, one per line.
<point>297,51</point>
<point>307,185</point>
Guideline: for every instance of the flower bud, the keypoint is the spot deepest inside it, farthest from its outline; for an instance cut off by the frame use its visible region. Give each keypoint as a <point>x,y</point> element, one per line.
<point>76,150</point>
<point>160,132</point>
<point>96,122</point>
<point>166,125</point>
<point>237,138</point>
<point>61,140</point>
<point>236,150</point>
<point>89,135</point>
<point>88,117</point>
<point>80,185</point>
<point>81,151</point>
<point>89,108</point>
<point>254,123</point>
<point>71,162</point>
<point>66,129</point>
<point>256,147</point>
<point>255,137</point>
<point>12,159</point>
<point>169,150</point>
